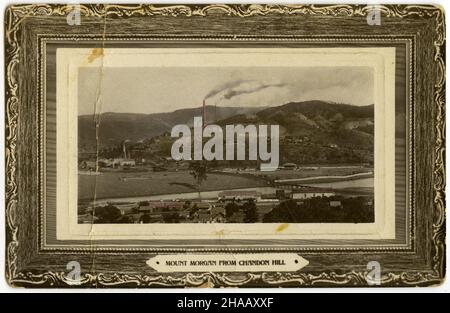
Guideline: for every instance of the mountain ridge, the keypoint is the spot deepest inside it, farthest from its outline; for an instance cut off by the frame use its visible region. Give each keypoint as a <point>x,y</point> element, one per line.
<point>309,130</point>
<point>116,127</point>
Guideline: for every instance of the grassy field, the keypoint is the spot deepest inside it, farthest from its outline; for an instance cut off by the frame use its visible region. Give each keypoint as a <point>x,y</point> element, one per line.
<point>135,184</point>
<point>115,185</point>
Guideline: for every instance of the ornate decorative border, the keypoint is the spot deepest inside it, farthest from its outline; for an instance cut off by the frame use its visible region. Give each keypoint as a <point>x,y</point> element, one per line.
<point>14,17</point>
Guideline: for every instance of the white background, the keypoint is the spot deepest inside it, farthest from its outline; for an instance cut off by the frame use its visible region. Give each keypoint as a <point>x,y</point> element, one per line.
<point>4,287</point>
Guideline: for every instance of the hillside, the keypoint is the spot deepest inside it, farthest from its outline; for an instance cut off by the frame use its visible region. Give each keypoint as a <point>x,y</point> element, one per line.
<point>116,127</point>
<point>319,132</point>
<point>310,131</point>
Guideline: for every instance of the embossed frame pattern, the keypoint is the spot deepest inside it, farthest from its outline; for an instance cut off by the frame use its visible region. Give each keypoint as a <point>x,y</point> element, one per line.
<point>26,265</point>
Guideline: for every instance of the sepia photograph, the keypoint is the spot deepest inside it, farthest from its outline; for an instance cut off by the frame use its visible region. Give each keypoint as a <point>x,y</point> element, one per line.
<point>324,168</point>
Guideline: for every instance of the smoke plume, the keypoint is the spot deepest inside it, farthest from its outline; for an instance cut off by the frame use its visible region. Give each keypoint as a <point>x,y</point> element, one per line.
<point>233,92</point>
<point>224,87</point>
<point>240,87</point>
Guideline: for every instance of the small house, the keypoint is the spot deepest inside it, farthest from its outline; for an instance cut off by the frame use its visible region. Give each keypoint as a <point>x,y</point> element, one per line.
<point>311,192</point>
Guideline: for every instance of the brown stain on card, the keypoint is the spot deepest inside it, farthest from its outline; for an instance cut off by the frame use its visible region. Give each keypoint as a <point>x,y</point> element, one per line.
<point>95,54</point>
<point>282,227</point>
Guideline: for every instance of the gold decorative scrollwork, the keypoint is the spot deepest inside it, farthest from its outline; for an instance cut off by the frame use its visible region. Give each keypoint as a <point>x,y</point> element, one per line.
<point>18,13</point>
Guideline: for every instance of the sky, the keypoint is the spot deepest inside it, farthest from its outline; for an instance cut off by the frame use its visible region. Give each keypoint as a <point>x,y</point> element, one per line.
<point>166,89</point>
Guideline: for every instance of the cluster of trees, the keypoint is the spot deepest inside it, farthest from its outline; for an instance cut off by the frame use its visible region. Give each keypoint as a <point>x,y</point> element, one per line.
<point>248,208</point>
<point>110,214</point>
<point>171,217</point>
<point>318,210</point>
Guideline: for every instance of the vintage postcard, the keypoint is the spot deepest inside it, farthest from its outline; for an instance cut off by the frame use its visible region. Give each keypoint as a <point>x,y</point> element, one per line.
<point>225,145</point>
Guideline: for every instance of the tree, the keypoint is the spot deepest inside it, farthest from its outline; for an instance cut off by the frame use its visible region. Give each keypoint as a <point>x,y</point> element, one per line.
<point>198,171</point>
<point>186,204</point>
<point>193,210</point>
<point>107,214</point>
<point>124,220</point>
<point>251,212</point>
<point>230,209</point>
<point>285,212</point>
<point>145,219</point>
<point>171,218</point>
